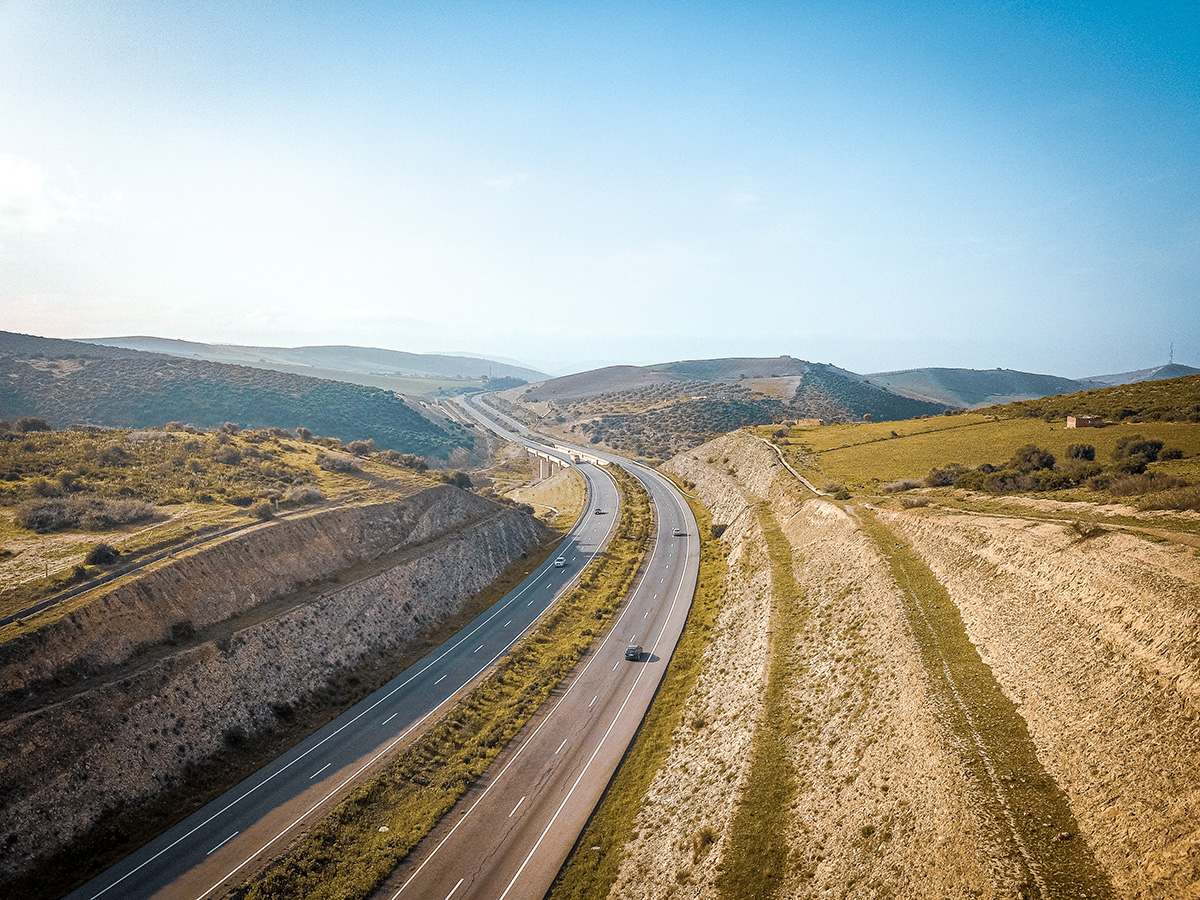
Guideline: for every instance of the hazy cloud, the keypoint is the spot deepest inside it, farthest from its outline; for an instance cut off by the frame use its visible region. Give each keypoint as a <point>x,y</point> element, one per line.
<point>29,202</point>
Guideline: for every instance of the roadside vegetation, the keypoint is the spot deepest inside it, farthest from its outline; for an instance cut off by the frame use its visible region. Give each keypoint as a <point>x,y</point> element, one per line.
<point>353,849</point>
<point>756,857</point>
<point>64,494</point>
<point>590,873</point>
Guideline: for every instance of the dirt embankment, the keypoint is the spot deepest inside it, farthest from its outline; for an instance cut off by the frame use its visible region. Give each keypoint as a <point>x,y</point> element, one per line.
<point>882,807</point>
<point>1098,643</point>
<point>264,640</point>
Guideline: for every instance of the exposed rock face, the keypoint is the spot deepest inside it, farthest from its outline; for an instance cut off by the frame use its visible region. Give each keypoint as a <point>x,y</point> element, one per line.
<point>870,755</point>
<point>147,712</point>
<point>1098,642</point>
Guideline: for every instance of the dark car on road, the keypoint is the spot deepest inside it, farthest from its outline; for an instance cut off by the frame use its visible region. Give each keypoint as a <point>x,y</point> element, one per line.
<point>633,652</point>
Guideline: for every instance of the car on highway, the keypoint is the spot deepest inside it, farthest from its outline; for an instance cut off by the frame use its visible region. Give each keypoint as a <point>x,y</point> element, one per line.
<point>679,532</point>
<point>633,652</point>
<point>560,563</point>
<point>598,511</point>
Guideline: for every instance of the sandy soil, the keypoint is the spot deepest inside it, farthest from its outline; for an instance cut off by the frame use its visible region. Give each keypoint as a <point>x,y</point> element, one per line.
<point>1098,641</point>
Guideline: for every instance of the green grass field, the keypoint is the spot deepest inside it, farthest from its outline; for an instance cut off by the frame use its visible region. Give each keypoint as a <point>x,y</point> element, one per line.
<point>868,455</point>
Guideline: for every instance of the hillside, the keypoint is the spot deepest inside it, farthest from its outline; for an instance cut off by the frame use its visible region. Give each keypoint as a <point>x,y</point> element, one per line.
<point>657,411</point>
<point>1169,400</point>
<point>1155,373</point>
<point>970,388</point>
<point>67,382</point>
<point>953,695</point>
<point>413,373</point>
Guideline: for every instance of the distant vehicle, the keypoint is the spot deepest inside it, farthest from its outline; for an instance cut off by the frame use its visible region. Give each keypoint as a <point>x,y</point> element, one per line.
<point>598,511</point>
<point>560,563</point>
<point>679,532</point>
<point>633,652</point>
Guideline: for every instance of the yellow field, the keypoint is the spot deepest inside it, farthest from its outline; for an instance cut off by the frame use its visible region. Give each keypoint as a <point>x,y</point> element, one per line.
<point>867,455</point>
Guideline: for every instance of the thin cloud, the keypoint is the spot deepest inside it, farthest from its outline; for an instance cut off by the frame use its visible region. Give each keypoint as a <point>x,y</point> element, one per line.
<point>29,202</point>
<point>505,182</point>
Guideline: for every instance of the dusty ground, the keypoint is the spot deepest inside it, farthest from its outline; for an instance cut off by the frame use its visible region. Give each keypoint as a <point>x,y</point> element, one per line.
<point>1096,641</point>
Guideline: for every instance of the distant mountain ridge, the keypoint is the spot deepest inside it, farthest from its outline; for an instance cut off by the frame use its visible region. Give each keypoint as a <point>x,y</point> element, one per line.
<point>1155,373</point>
<point>972,388</point>
<point>335,357</point>
<point>70,382</point>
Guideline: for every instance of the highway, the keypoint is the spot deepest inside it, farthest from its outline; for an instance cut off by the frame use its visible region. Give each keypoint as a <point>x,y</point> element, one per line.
<point>219,844</point>
<point>508,837</point>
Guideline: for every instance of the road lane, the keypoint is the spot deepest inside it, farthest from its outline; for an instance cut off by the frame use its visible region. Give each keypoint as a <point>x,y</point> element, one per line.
<point>223,839</point>
<point>510,834</point>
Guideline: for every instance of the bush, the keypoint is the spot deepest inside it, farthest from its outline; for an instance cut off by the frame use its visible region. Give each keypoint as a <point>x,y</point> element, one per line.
<point>913,502</point>
<point>361,448</point>
<point>1031,458</point>
<point>904,484</point>
<point>87,513</point>
<point>1180,498</point>
<point>228,455</point>
<point>302,494</point>
<point>944,476</point>
<point>1136,445</point>
<point>27,425</point>
<point>262,510</point>
<point>336,462</point>
<point>102,555</point>
<point>1134,485</point>
<point>1081,451</point>
<point>1171,453</point>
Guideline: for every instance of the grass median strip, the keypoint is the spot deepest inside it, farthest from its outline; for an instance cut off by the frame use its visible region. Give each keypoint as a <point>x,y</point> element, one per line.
<point>588,873</point>
<point>755,861</point>
<point>350,852</point>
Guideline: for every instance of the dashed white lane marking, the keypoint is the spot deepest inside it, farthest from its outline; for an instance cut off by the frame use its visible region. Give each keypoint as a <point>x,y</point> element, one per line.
<point>440,680</point>
<point>389,718</point>
<point>560,746</point>
<point>455,888</point>
<point>222,844</point>
<point>515,808</point>
<point>477,649</point>
<point>319,771</point>
<point>594,699</point>
<point>615,667</point>
<point>509,622</point>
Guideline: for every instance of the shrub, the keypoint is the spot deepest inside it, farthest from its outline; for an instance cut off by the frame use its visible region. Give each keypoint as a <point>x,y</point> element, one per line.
<point>904,484</point>
<point>87,513</point>
<point>1180,498</point>
<point>1136,445</point>
<point>1081,451</point>
<point>944,476</point>
<point>1031,458</point>
<point>1084,530</point>
<point>1171,453</point>
<point>304,434</point>
<point>458,479</point>
<point>302,494</point>
<point>102,555</point>
<point>361,448</point>
<point>336,462</point>
<point>1133,485</point>
<point>27,425</point>
<point>262,510</point>
<point>913,502</point>
<point>228,455</point>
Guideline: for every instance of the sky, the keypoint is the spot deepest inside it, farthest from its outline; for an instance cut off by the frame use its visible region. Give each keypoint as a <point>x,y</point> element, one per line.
<point>876,185</point>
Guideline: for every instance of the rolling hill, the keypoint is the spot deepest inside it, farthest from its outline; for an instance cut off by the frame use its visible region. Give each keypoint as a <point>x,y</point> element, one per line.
<point>413,373</point>
<point>69,382</point>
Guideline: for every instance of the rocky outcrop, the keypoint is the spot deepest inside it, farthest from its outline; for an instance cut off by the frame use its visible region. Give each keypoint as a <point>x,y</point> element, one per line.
<point>125,737</point>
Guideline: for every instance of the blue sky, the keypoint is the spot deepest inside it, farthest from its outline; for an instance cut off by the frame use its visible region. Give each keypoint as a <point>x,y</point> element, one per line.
<point>875,185</point>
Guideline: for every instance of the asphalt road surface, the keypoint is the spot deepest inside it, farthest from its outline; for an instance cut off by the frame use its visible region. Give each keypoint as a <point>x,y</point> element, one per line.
<point>509,836</point>
<point>256,819</point>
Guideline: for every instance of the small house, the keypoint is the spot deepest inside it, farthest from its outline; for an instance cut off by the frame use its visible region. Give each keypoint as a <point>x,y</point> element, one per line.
<point>1084,421</point>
